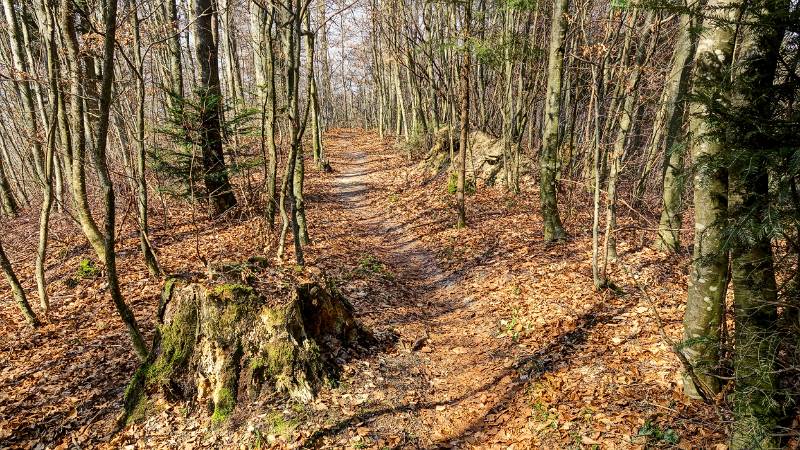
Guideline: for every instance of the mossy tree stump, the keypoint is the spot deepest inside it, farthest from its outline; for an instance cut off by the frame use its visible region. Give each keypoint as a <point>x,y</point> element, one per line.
<point>218,343</point>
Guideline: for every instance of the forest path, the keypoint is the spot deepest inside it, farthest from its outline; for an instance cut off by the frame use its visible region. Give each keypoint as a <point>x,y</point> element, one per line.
<point>448,361</point>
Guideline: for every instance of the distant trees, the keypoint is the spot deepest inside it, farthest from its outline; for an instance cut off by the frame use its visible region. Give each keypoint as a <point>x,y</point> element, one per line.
<point>630,92</point>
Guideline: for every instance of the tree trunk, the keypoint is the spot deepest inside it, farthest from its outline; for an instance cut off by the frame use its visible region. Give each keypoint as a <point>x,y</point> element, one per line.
<point>264,65</point>
<point>291,41</point>
<point>16,289</point>
<point>621,140</point>
<point>215,177</point>
<point>464,138</point>
<point>47,26</point>
<point>75,137</point>
<point>24,88</point>
<point>7,200</point>
<point>106,185</point>
<point>672,143</point>
<point>225,343</point>
<point>548,161</point>
<point>313,99</point>
<point>141,183</point>
<point>169,11</point>
<point>708,276</point>
<point>755,407</point>
<point>326,99</point>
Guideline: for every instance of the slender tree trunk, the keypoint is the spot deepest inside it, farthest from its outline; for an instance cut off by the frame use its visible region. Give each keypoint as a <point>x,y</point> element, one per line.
<point>76,133</point>
<point>264,64</point>
<point>313,99</point>
<point>169,10</point>
<point>141,183</point>
<point>600,278</point>
<point>464,138</point>
<point>621,140</point>
<point>106,185</point>
<point>291,42</point>
<point>548,161</point>
<point>402,119</point>
<point>25,88</point>
<point>7,200</point>
<point>47,26</point>
<point>16,289</point>
<point>672,115</point>
<point>326,99</point>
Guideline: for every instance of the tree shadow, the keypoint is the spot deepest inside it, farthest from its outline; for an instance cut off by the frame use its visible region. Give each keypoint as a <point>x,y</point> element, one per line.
<point>526,370</point>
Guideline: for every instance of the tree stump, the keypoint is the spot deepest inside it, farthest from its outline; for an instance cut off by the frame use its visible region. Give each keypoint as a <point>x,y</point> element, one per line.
<point>216,343</point>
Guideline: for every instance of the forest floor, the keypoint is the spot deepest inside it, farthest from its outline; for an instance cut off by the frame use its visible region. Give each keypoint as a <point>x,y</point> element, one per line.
<point>502,341</point>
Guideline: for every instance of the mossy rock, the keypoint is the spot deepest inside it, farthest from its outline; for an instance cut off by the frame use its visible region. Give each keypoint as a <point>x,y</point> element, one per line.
<point>484,159</point>
<point>216,343</point>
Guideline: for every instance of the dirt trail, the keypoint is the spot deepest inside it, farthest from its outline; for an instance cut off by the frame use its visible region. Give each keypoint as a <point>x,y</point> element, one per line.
<point>453,367</point>
<point>400,247</point>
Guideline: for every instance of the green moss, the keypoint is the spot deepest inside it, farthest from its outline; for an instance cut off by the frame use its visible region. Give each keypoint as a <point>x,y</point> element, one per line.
<point>259,261</point>
<point>134,396</point>
<point>139,412</point>
<point>279,425</point>
<point>87,269</point>
<point>452,184</point>
<point>166,293</point>
<point>279,358</point>
<point>258,363</point>
<point>177,345</point>
<point>231,291</point>
<point>224,405</point>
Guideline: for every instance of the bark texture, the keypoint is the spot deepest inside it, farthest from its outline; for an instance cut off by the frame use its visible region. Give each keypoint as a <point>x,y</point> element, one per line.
<point>215,175</point>
<point>708,276</point>
<point>548,162</point>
